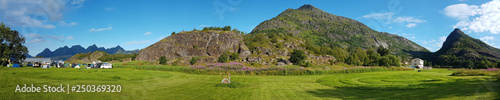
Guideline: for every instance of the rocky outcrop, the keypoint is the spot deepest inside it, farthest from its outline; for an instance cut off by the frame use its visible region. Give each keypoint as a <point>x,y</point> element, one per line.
<point>87,57</point>
<point>185,45</point>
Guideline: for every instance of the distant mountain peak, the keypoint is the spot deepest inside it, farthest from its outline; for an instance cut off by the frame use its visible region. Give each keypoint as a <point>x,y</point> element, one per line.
<point>308,7</point>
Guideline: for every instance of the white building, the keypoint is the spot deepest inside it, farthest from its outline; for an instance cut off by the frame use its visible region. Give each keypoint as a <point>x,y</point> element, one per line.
<point>417,63</point>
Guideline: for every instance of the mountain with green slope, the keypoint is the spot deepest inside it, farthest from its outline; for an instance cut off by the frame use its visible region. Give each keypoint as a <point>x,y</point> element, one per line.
<point>460,48</point>
<point>315,30</point>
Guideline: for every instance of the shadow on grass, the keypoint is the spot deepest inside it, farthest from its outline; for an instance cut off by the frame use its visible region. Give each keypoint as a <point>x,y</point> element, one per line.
<point>425,91</point>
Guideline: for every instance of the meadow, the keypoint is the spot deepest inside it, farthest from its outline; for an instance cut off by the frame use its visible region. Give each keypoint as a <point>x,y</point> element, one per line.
<point>160,84</point>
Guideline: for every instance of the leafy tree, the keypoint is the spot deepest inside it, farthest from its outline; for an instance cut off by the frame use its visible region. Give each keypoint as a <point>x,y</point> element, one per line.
<point>482,64</point>
<point>193,60</point>
<point>234,56</point>
<point>339,54</point>
<point>498,64</point>
<point>163,60</point>
<point>173,33</point>
<point>226,28</point>
<point>297,57</point>
<point>384,61</point>
<point>395,61</point>
<point>11,45</point>
<point>353,60</point>
<point>382,51</point>
<point>223,58</point>
<point>469,64</point>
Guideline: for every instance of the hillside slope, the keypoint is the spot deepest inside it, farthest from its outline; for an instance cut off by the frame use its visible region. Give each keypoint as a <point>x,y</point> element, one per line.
<point>323,29</point>
<point>460,47</point>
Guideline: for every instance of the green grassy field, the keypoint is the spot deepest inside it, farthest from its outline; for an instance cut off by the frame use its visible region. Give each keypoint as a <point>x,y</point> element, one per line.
<point>152,84</point>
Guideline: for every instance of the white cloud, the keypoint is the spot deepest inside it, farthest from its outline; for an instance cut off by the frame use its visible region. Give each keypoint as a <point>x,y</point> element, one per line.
<point>100,29</point>
<point>70,37</point>
<point>37,38</point>
<point>62,23</point>
<point>388,18</point>
<point>486,38</point>
<point>137,42</point>
<point>390,27</point>
<point>408,19</point>
<point>34,13</point>
<point>148,33</point>
<point>410,25</point>
<point>484,18</point>
<point>379,16</point>
<point>202,26</point>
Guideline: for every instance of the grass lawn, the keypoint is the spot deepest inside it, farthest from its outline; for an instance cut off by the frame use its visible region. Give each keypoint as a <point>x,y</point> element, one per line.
<point>151,84</point>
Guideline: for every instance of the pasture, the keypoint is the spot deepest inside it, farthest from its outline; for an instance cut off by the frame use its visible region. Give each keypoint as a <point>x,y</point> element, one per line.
<point>154,84</point>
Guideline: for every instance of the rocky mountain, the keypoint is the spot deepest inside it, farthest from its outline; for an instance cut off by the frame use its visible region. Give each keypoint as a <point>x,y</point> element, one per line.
<point>63,53</point>
<point>460,47</point>
<point>323,29</point>
<point>206,44</point>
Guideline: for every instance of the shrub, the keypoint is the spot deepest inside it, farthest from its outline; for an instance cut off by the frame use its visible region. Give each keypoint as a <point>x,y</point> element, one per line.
<point>163,60</point>
<point>297,57</point>
<point>308,64</point>
<point>193,60</point>
<point>223,57</point>
<point>234,56</point>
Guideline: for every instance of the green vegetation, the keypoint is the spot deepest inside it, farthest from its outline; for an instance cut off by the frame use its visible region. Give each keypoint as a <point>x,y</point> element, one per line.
<point>154,84</point>
<point>297,57</point>
<point>234,56</point>
<point>11,45</point>
<point>193,60</point>
<point>163,60</point>
<point>118,57</point>
<point>223,57</point>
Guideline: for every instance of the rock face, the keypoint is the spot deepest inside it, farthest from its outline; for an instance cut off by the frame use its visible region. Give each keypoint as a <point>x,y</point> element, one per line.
<point>185,45</point>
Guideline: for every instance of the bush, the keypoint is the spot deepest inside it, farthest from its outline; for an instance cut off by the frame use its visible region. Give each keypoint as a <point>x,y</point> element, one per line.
<point>163,60</point>
<point>223,57</point>
<point>308,64</point>
<point>234,56</point>
<point>297,57</point>
<point>193,60</point>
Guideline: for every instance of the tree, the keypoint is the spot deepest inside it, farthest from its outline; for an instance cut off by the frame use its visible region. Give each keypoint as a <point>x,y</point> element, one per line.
<point>382,51</point>
<point>297,57</point>
<point>163,60</point>
<point>395,61</point>
<point>193,60</point>
<point>11,45</point>
<point>223,58</point>
<point>173,33</point>
<point>384,61</point>
<point>469,64</point>
<point>226,28</point>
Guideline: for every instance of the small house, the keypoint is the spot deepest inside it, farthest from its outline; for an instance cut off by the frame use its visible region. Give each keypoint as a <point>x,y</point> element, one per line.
<point>417,63</point>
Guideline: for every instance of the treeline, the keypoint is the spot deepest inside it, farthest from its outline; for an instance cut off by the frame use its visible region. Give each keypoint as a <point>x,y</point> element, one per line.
<point>452,61</point>
<point>225,28</point>
<point>370,57</point>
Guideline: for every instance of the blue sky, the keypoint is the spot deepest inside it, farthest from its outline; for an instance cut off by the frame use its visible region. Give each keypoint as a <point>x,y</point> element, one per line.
<point>138,24</point>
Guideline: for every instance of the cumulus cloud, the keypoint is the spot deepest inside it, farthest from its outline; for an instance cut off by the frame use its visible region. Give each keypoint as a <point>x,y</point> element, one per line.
<point>410,25</point>
<point>100,29</point>
<point>34,13</point>
<point>483,18</point>
<point>434,44</point>
<point>487,40</point>
<point>137,42</point>
<point>148,33</point>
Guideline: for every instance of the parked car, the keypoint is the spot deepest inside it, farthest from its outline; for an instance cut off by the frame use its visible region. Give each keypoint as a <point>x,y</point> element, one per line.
<point>37,65</point>
<point>106,65</point>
